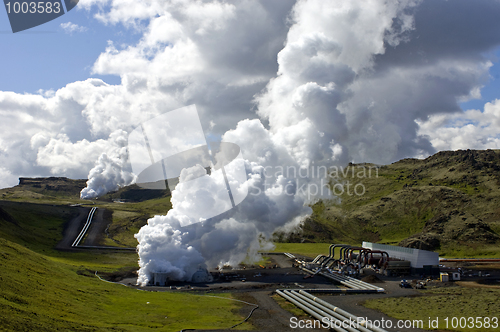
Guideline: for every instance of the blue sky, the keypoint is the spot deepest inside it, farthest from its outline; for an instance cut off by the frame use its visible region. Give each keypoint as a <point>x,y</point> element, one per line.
<point>491,91</point>
<point>45,57</point>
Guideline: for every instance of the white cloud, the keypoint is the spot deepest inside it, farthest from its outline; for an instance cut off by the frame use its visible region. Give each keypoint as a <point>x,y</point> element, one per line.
<point>472,129</point>
<point>71,28</point>
<point>366,79</point>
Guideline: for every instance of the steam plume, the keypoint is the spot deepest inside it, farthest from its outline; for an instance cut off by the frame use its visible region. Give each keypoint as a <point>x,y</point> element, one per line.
<point>110,171</point>
<point>306,128</point>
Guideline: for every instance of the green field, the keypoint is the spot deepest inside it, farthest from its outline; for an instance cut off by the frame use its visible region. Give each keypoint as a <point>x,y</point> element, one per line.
<point>39,293</point>
<point>42,289</point>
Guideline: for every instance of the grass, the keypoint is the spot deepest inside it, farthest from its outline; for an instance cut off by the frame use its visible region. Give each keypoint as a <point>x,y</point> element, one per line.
<point>129,217</point>
<point>42,289</point>
<point>41,294</point>
<point>36,226</point>
<point>484,251</point>
<point>442,303</point>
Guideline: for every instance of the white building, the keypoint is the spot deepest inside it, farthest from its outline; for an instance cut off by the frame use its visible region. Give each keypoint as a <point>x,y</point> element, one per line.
<point>417,258</point>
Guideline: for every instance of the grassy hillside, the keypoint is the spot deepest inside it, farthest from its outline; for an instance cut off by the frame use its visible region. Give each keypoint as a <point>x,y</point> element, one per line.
<point>128,208</point>
<point>448,202</point>
<point>38,293</point>
<point>42,289</point>
<point>44,189</point>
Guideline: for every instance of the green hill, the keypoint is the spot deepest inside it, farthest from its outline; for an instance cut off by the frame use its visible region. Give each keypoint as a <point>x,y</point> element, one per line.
<point>40,293</point>
<point>128,208</point>
<point>448,202</point>
<point>44,189</point>
<point>43,289</point>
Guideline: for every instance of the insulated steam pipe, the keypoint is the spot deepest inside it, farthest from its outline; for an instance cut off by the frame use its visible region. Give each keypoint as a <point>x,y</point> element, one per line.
<point>85,228</point>
<point>332,247</point>
<point>349,282</point>
<point>313,312</point>
<point>342,249</point>
<point>328,313</point>
<point>336,313</point>
<point>340,311</point>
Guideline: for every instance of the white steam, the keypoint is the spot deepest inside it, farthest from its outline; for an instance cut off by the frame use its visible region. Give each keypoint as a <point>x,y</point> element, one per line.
<point>307,129</point>
<point>109,172</point>
<point>272,202</point>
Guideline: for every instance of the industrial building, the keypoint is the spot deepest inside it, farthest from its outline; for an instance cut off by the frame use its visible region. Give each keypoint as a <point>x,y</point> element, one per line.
<point>421,261</point>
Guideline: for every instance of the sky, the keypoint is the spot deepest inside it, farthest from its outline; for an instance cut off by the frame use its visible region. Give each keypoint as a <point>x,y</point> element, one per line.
<point>326,81</point>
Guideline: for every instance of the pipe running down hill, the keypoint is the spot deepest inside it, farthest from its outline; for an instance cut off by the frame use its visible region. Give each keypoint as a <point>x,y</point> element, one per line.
<point>85,228</point>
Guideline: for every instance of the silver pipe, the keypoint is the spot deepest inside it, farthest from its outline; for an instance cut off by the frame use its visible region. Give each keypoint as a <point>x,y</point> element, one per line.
<point>307,309</point>
<point>319,311</point>
<point>317,258</point>
<point>349,280</point>
<point>340,311</point>
<point>85,228</point>
<point>340,290</point>
<point>340,317</point>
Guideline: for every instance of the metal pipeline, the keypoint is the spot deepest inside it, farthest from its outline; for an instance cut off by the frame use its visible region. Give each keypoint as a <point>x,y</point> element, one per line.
<point>311,310</point>
<point>348,253</point>
<point>354,281</point>
<point>331,255</point>
<point>342,312</point>
<point>340,290</point>
<point>345,322</point>
<point>384,257</point>
<point>332,247</point>
<point>342,249</point>
<point>318,258</point>
<point>348,281</point>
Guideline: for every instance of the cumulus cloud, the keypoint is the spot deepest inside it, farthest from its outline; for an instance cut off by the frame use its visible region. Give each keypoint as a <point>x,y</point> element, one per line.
<point>472,129</point>
<point>357,77</point>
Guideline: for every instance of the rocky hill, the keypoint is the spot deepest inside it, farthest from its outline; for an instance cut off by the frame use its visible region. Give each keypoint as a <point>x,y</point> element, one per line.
<point>449,202</point>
